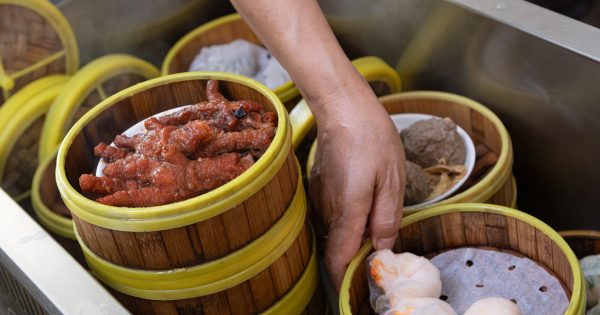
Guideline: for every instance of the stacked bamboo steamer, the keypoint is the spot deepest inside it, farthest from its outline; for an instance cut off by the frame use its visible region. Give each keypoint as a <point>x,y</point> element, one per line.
<point>38,51</point>
<point>37,41</point>
<point>217,32</point>
<point>473,225</point>
<point>90,85</point>
<point>243,248</point>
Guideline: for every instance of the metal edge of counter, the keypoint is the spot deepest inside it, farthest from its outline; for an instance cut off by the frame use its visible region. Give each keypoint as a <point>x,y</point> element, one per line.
<point>45,270</point>
<point>553,27</point>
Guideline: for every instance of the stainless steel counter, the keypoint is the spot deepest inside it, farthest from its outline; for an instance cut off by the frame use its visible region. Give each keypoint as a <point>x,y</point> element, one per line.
<point>538,70</point>
<point>37,276</point>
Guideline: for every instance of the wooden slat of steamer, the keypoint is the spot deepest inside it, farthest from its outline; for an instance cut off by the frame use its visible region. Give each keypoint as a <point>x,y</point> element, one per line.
<point>453,229</point>
<point>213,237</point>
<point>153,250</point>
<point>562,267</point>
<point>216,304</point>
<point>180,250</point>
<point>474,225</point>
<point>544,249</point>
<point>496,230</point>
<point>527,239</point>
<point>411,239</point>
<point>433,238</point>
<point>240,299</point>
<point>129,250</point>
<point>513,240</point>
<point>86,232</point>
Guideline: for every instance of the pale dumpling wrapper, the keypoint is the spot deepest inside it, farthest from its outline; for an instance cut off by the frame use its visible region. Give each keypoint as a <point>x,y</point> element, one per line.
<point>493,306</point>
<point>421,306</point>
<point>405,275</point>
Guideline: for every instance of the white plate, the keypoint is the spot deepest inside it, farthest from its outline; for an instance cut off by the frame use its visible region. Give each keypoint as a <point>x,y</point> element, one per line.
<point>403,121</point>
<point>134,130</point>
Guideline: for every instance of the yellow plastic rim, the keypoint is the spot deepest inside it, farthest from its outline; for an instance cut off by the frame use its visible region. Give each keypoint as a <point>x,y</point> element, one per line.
<point>285,92</point>
<point>52,221</point>
<point>210,277</point>
<point>574,304</point>
<point>62,27</point>
<point>373,69</point>
<point>79,87</point>
<point>20,120</point>
<point>188,211</point>
<point>16,101</point>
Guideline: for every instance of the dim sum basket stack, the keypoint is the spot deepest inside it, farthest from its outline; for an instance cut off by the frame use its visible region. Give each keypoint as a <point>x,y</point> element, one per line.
<point>37,41</point>
<point>243,248</point>
<point>84,90</point>
<point>491,180</point>
<point>437,229</point>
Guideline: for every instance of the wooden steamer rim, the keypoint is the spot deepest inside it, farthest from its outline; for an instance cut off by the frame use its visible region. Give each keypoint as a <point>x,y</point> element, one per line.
<point>576,304</point>
<point>63,29</point>
<point>194,209</point>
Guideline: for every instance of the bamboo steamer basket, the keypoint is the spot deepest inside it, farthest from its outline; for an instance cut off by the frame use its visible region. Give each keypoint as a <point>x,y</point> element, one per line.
<point>473,225</point>
<point>583,243</point>
<point>36,41</point>
<point>228,28</point>
<point>22,119</point>
<point>238,248</point>
<point>90,85</point>
<point>217,32</point>
<point>498,185</point>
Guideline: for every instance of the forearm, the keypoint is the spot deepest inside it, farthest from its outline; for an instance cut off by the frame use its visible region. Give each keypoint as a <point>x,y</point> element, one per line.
<point>297,34</point>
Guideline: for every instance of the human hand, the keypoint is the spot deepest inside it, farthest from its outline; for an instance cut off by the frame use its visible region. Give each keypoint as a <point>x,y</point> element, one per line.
<point>358,178</point>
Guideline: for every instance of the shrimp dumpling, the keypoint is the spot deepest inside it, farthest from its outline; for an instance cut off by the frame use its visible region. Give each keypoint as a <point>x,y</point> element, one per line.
<point>405,275</point>
<point>421,306</point>
<point>493,306</point>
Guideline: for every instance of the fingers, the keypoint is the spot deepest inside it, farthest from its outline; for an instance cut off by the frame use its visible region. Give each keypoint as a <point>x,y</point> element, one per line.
<point>386,214</point>
<point>343,242</point>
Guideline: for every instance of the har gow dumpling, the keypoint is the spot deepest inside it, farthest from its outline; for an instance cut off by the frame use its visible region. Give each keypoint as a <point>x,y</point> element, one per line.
<point>405,275</point>
<point>421,306</point>
<point>493,306</point>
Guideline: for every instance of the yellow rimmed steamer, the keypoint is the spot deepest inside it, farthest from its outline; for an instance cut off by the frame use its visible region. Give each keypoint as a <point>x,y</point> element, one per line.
<point>217,32</point>
<point>22,119</point>
<point>472,225</point>
<point>89,86</point>
<point>495,183</point>
<point>243,248</point>
<point>231,27</point>
<point>37,41</point>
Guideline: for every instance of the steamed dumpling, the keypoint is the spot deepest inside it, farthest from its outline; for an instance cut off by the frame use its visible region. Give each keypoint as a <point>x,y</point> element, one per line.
<point>405,275</point>
<point>421,306</point>
<point>493,306</point>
